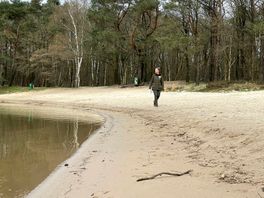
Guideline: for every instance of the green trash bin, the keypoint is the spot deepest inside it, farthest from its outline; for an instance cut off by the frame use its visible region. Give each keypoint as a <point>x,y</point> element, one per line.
<point>31,86</point>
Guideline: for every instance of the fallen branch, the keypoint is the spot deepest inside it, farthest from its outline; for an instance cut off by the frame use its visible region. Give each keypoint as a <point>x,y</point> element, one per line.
<point>165,173</point>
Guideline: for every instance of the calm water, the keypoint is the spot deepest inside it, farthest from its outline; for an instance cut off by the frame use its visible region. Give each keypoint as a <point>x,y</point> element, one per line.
<point>32,147</point>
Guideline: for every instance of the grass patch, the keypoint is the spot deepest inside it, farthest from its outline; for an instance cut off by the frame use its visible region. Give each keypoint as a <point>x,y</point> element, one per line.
<point>220,86</point>
<point>8,90</point>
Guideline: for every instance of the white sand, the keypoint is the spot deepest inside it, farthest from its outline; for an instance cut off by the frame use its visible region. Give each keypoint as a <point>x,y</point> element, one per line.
<point>217,135</point>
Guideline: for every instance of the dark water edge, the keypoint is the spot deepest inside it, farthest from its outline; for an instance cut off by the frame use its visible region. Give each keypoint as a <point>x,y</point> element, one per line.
<point>31,147</point>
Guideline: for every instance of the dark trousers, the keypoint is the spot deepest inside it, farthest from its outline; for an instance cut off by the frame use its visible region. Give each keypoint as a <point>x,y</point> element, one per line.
<point>156,96</point>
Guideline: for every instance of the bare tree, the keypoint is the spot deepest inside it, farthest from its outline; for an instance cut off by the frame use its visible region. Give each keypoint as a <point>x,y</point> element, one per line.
<point>76,23</point>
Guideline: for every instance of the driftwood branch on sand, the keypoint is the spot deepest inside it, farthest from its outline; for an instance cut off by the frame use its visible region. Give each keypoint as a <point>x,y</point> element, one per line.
<point>165,173</point>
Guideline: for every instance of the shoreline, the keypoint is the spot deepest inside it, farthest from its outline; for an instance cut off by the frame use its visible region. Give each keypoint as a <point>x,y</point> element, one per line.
<point>79,158</point>
<point>135,143</point>
<point>55,114</point>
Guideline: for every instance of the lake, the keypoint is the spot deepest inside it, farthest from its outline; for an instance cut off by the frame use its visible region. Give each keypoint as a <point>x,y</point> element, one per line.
<point>32,146</point>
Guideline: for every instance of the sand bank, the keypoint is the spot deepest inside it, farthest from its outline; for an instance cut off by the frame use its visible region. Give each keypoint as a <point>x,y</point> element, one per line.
<point>217,135</point>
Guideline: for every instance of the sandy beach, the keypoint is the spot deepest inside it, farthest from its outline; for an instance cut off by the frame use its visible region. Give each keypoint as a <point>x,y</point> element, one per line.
<point>217,135</point>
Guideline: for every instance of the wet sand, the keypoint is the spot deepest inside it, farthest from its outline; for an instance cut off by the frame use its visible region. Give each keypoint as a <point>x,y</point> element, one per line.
<point>217,135</point>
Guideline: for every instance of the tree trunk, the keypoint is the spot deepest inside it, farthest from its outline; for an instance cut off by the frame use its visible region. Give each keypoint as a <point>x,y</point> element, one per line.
<point>252,41</point>
<point>214,52</point>
<point>78,30</point>
<point>105,74</point>
<point>229,61</point>
<point>261,65</point>
<point>1,74</point>
<point>187,62</point>
<point>77,74</point>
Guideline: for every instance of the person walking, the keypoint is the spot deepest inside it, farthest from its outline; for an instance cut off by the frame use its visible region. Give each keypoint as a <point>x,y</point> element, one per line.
<point>157,85</point>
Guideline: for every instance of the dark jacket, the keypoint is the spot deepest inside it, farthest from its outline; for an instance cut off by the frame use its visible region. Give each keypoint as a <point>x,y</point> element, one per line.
<point>156,82</point>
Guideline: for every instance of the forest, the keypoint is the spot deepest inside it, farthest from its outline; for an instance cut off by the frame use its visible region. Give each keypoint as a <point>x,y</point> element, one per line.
<point>104,42</point>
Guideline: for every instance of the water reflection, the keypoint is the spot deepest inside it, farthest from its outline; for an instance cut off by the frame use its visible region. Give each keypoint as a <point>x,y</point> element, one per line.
<point>31,147</point>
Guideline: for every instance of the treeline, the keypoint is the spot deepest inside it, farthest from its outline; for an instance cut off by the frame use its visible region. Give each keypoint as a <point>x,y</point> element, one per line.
<point>105,42</point>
